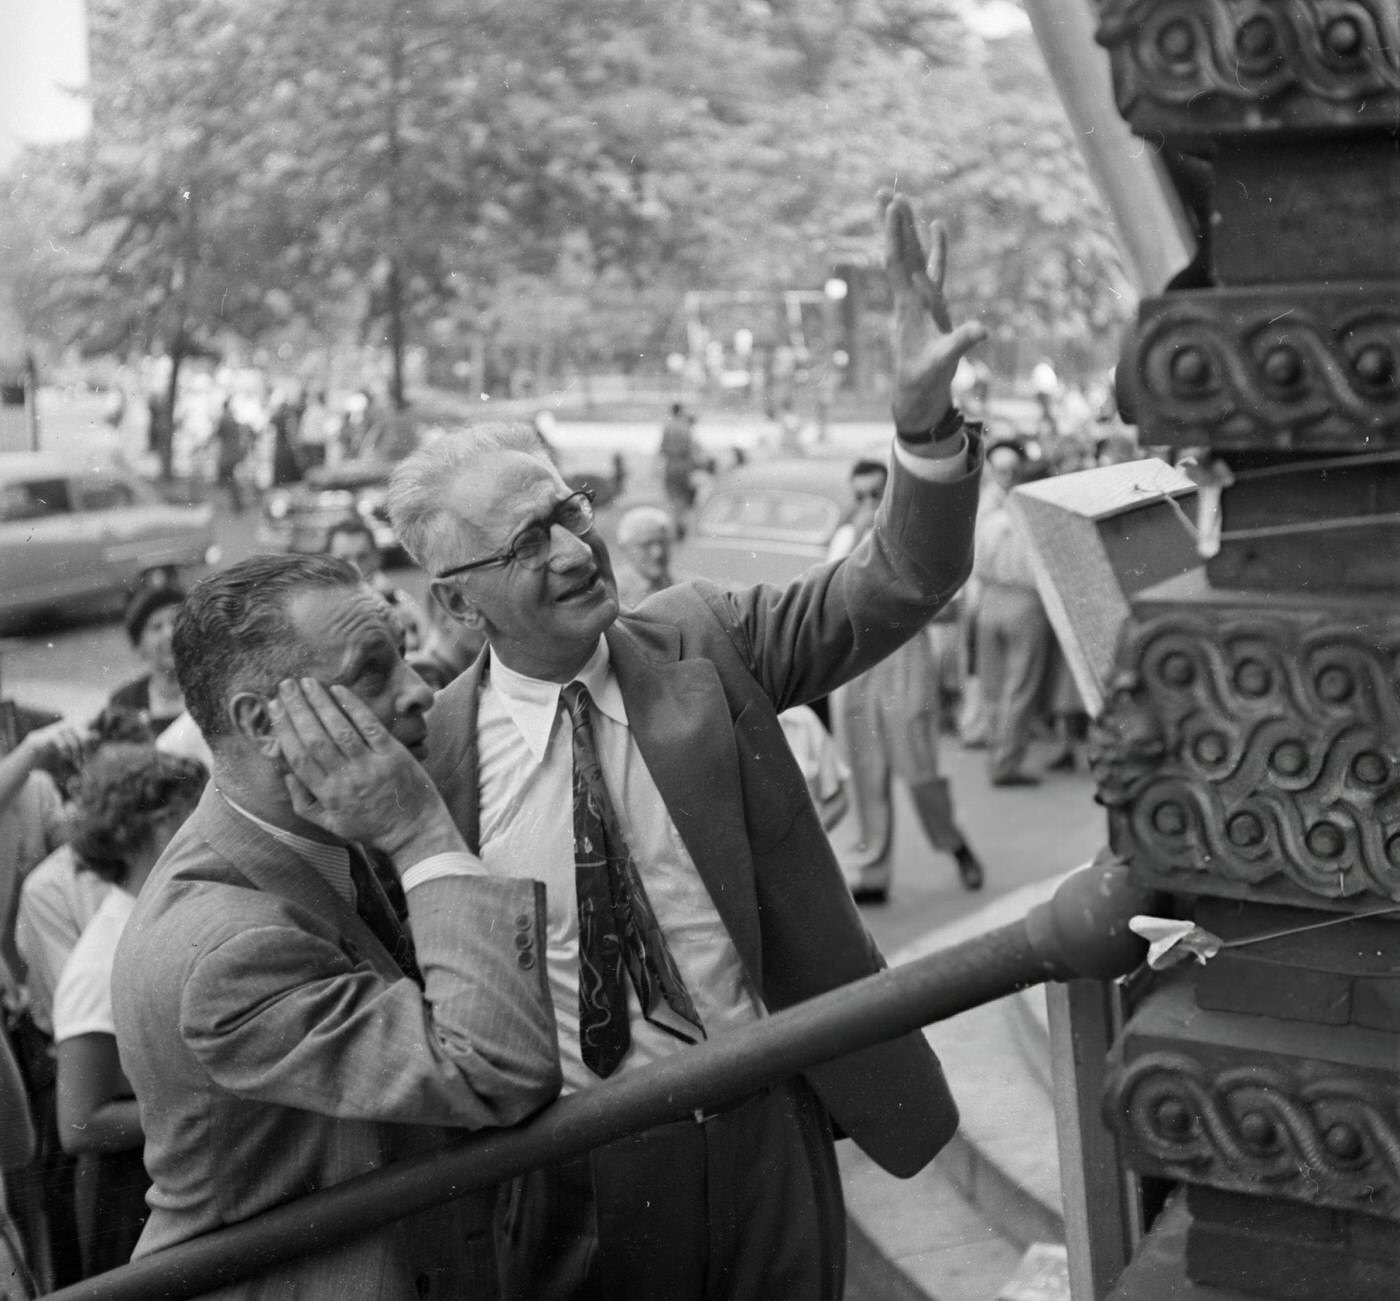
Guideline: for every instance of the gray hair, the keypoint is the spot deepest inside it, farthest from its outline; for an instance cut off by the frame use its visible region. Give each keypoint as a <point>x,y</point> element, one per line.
<point>429,530</point>
<point>639,520</point>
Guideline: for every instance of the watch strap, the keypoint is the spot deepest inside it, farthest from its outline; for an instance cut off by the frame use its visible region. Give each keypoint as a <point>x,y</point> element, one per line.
<point>951,423</point>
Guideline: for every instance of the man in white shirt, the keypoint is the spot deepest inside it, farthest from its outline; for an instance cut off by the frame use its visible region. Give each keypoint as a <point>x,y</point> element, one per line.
<point>734,905</point>
<point>280,1028</point>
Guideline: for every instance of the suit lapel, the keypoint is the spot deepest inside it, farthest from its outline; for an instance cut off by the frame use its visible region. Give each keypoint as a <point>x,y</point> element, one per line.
<point>452,751</point>
<point>678,714</point>
<point>275,869</point>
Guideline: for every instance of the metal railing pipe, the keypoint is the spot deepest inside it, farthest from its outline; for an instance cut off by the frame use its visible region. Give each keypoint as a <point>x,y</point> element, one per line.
<point>1081,931</point>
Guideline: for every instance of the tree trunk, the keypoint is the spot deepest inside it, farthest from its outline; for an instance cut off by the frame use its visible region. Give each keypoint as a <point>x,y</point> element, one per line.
<point>163,437</point>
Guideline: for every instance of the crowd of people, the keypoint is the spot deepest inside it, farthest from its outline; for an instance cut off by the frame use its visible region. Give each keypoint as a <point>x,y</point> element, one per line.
<point>327,883</point>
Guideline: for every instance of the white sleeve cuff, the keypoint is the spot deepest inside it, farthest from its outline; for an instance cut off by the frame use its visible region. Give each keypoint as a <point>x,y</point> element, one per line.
<point>944,469</point>
<point>439,865</point>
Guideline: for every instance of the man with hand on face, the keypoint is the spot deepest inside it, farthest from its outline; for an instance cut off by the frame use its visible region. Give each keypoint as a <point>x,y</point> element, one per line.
<point>638,764</point>
<point>281,1029</point>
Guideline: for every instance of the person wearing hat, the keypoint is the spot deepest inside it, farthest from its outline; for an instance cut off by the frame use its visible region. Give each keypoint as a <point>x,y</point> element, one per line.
<point>1013,635</point>
<point>149,620</point>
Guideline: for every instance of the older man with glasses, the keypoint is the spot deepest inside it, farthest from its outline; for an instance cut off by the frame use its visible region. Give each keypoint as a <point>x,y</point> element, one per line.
<point>636,764</point>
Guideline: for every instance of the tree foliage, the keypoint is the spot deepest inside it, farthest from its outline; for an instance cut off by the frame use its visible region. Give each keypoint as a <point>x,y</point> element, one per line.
<point>541,169</point>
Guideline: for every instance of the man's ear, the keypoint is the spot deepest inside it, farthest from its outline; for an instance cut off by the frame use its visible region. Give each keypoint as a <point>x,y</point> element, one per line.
<point>456,604</point>
<point>251,720</point>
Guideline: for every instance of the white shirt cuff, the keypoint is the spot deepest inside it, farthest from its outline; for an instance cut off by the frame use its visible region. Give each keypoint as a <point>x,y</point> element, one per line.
<point>440,865</point>
<point>944,469</point>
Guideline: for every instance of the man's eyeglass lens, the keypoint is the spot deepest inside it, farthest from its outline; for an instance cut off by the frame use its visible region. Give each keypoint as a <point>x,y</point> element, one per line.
<point>531,547</point>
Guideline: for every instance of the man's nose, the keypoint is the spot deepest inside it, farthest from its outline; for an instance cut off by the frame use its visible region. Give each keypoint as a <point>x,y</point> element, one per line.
<point>566,548</point>
<point>415,695</point>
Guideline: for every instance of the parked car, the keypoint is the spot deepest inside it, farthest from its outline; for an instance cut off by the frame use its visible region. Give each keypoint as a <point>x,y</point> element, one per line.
<point>299,517</point>
<point>767,521</point>
<point>76,538</point>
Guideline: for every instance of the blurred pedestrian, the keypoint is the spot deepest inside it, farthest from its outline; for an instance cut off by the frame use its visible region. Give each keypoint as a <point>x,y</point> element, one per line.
<point>285,422</point>
<point>679,458</point>
<point>644,536</point>
<point>887,721</point>
<point>56,899</point>
<point>156,695</point>
<point>34,823</point>
<point>353,540</point>
<point>1013,643</point>
<point>1045,384</point>
<point>131,801</point>
<point>231,439</point>
<point>314,430</point>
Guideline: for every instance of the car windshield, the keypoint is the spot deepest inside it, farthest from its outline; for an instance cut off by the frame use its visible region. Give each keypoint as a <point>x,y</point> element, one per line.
<point>774,513</point>
<point>33,498</point>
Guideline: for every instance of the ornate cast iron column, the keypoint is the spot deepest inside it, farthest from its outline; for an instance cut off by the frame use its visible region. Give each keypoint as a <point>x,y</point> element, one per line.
<point>1250,756</point>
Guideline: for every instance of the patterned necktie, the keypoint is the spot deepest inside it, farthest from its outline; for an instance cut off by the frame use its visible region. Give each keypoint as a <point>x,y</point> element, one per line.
<point>618,935</point>
<point>377,912</point>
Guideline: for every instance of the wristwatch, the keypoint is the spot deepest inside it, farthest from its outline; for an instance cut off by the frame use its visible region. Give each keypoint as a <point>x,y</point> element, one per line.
<point>951,423</point>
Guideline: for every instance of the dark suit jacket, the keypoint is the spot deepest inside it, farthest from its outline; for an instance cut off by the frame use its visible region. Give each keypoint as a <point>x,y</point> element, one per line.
<point>704,674</point>
<point>276,1048</point>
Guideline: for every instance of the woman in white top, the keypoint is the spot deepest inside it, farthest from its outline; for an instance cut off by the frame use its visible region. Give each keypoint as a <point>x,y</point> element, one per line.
<point>131,800</point>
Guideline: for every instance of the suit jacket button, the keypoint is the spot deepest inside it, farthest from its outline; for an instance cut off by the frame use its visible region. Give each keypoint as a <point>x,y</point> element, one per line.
<point>523,941</point>
<point>522,922</point>
<point>526,959</point>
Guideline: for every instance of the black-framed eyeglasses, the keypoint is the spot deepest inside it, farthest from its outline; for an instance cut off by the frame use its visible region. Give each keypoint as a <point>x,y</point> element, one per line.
<point>531,547</point>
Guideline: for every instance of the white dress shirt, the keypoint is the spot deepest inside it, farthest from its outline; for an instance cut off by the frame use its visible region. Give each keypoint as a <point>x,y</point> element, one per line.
<point>525,745</point>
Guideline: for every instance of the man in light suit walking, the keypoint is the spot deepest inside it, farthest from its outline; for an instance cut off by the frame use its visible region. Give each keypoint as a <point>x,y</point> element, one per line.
<point>282,1031</point>
<point>659,729</point>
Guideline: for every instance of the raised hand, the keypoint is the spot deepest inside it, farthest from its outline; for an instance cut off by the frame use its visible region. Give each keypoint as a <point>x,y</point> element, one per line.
<point>58,743</point>
<point>927,347</point>
<point>348,775</point>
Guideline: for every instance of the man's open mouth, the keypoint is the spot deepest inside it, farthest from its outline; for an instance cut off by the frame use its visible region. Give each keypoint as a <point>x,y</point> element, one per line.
<point>586,588</point>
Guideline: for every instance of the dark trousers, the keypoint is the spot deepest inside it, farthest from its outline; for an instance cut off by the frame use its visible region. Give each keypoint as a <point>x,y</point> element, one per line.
<point>1013,649</point>
<point>743,1206</point>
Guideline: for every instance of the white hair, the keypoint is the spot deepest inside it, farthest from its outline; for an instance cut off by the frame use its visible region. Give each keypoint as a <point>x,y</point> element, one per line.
<point>641,519</point>
<point>429,530</point>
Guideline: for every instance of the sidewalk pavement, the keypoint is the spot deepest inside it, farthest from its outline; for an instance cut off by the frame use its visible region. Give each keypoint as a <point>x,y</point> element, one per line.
<point>962,1229</point>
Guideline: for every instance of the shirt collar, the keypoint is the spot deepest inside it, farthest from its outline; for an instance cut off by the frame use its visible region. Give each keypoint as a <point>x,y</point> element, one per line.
<point>332,862</point>
<point>533,705</point>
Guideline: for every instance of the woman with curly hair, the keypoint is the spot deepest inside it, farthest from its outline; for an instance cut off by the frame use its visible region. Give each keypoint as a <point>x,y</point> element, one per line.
<point>131,799</point>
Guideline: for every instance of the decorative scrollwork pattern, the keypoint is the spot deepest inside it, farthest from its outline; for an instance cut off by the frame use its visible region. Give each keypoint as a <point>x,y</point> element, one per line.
<point>1332,1141</point>
<point>1290,369</point>
<point>1181,65</point>
<point>1256,754</point>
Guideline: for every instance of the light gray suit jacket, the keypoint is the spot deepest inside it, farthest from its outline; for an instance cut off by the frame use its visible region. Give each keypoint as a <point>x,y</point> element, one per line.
<point>704,674</point>
<point>275,1048</point>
